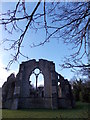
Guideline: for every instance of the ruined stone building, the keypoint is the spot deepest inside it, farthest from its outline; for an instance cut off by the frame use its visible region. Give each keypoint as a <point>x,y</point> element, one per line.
<point>19,93</point>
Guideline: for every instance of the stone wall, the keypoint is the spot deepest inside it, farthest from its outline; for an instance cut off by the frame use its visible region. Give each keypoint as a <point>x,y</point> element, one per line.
<point>16,91</point>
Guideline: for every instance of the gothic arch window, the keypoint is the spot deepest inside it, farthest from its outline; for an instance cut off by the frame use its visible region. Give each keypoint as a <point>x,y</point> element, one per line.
<point>59,90</point>
<point>32,80</point>
<point>36,82</point>
<point>40,80</point>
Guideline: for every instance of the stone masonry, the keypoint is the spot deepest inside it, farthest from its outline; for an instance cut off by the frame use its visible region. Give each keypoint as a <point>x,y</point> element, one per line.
<point>17,93</point>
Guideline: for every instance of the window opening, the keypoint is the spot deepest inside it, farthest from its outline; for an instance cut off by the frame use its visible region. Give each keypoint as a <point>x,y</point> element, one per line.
<point>36,82</point>
<point>59,90</point>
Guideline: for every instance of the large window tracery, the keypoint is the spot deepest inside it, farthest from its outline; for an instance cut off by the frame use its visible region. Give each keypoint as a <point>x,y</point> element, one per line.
<point>36,82</point>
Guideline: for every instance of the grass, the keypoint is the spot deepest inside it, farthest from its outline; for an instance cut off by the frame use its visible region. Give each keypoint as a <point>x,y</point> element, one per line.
<point>81,111</point>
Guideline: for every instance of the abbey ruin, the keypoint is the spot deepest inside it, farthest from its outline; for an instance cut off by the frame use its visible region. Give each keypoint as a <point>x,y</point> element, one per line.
<point>19,93</point>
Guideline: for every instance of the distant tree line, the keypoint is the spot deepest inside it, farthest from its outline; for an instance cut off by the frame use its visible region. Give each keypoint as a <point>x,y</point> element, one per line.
<point>81,90</point>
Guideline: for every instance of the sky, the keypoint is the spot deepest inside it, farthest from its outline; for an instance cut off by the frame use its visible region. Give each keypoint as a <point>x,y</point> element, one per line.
<point>53,51</point>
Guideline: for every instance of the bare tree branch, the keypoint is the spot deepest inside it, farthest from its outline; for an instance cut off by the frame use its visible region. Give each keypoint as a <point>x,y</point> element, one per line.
<point>68,21</point>
<point>19,41</point>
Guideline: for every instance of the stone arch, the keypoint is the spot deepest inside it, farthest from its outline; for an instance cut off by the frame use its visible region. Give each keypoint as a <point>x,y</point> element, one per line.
<point>33,82</point>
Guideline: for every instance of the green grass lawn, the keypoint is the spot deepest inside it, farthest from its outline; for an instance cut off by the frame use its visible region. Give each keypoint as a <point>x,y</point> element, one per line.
<point>81,111</point>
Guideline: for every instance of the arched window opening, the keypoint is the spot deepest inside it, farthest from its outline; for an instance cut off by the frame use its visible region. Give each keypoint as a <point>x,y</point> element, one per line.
<point>41,85</point>
<point>59,90</point>
<point>32,80</point>
<point>58,77</point>
<point>36,83</point>
<point>40,80</point>
<point>58,83</point>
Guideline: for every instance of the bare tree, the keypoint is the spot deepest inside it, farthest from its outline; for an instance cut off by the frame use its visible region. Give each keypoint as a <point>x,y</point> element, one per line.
<point>69,21</point>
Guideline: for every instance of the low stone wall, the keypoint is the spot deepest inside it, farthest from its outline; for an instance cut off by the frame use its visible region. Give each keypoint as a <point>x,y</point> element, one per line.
<point>34,103</point>
<point>7,104</point>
